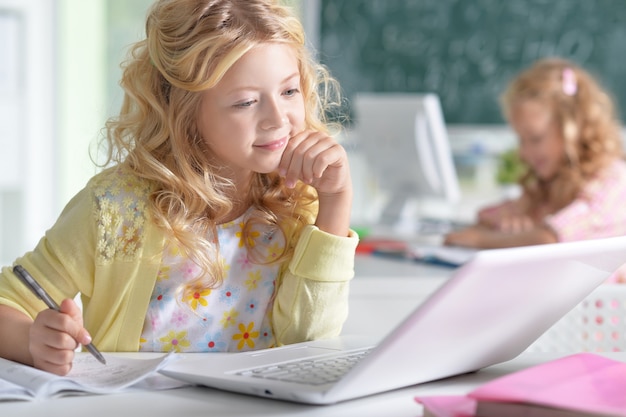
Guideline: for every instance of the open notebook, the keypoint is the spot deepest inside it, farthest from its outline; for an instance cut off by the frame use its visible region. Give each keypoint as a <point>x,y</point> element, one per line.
<point>490,310</point>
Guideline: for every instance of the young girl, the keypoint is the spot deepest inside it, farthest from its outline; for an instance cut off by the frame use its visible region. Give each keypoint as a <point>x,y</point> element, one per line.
<point>570,140</point>
<point>222,222</point>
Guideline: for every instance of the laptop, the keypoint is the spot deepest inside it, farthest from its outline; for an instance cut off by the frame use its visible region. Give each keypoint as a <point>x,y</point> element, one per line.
<point>489,311</point>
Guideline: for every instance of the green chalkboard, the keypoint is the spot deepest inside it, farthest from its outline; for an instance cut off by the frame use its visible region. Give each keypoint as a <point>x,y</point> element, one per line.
<point>467,50</point>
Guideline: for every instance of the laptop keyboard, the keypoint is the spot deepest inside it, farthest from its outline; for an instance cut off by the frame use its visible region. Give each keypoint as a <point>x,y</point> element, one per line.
<point>309,371</point>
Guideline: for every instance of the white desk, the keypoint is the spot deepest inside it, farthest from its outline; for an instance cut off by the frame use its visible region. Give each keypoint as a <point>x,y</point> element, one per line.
<point>199,401</point>
<point>382,293</point>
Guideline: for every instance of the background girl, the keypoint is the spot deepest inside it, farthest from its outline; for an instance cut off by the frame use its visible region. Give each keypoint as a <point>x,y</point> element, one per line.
<point>570,139</point>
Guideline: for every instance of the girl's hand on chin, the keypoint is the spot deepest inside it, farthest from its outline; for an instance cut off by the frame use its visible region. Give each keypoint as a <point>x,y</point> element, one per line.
<point>316,159</point>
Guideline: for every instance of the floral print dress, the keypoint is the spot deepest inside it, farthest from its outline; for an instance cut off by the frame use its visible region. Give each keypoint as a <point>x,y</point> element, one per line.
<point>233,317</point>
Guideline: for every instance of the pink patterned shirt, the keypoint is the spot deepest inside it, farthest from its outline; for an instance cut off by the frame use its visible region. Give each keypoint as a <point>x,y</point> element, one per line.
<point>598,212</point>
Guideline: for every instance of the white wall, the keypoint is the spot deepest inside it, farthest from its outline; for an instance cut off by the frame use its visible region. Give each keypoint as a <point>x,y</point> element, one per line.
<point>54,64</point>
<point>81,91</point>
<point>28,141</point>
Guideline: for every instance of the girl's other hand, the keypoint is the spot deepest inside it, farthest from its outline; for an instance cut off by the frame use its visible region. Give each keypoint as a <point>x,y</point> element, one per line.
<point>505,217</point>
<point>516,224</point>
<point>491,216</point>
<point>519,233</point>
<point>470,237</point>
<point>54,337</point>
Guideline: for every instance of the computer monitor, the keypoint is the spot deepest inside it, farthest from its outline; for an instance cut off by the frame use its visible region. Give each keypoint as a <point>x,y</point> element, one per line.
<point>405,143</point>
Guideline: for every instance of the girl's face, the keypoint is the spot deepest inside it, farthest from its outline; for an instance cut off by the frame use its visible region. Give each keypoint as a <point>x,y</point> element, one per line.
<point>248,117</point>
<point>541,143</point>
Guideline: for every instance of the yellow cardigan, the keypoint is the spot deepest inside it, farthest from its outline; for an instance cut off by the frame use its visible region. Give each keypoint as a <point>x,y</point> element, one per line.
<point>111,253</point>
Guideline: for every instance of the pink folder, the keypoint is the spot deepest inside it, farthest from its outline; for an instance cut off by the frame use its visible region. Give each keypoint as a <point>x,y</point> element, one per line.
<point>583,382</point>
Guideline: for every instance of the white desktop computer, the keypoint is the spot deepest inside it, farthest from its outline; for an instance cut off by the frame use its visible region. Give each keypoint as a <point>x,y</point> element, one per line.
<point>405,142</point>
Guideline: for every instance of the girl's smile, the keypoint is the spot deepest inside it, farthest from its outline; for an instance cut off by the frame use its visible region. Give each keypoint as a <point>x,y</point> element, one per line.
<point>274,145</point>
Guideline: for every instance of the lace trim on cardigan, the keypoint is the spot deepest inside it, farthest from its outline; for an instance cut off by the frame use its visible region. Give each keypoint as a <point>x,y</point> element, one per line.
<point>121,214</point>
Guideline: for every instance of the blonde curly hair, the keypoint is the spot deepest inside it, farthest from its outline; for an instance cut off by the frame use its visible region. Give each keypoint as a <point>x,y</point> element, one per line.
<point>589,125</point>
<point>189,46</point>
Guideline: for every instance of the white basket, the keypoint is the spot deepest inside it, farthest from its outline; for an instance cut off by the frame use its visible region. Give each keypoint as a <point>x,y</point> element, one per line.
<point>597,324</point>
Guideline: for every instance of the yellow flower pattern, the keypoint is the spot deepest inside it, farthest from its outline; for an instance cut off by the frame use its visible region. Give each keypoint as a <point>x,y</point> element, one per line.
<point>164,273</point>
<point>229,317</point>
<point>253,280</point>
<point>274,251</point>
<point>246,336</point>
<point>197,297</point>
<point>234,316</point>
<point>175,341</point>
<point>250,239</point>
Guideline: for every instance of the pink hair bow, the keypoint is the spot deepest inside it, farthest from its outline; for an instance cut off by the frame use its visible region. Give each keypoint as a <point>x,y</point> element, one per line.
<point>569,82</point>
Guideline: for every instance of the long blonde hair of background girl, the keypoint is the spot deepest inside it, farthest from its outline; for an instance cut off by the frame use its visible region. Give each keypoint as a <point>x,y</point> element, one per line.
<point>189,46</point>
<point>589,126</point>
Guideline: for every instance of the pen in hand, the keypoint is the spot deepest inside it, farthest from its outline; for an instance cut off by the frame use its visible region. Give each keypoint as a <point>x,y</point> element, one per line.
<point>34,286</point>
